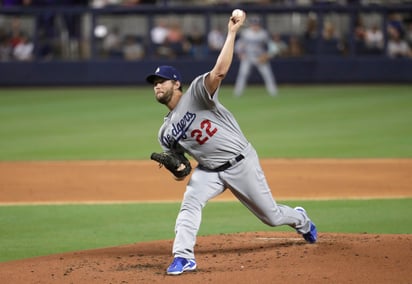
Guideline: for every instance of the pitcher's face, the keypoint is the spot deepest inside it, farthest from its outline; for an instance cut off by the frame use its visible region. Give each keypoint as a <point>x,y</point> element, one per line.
<point>163,90</point>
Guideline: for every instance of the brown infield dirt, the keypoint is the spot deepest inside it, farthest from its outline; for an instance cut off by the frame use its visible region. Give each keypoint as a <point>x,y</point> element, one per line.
<point>258,257</point>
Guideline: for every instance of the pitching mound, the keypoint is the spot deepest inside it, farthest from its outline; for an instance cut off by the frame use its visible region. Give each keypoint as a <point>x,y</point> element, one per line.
<point>263,257</point>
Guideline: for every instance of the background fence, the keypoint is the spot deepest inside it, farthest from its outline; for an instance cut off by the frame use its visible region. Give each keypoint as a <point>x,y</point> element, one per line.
<point>113,45</point>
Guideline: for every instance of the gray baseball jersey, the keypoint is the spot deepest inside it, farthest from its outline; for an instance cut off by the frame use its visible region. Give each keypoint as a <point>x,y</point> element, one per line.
<point>253,43</point>
<point>251,46</point>
<point>203,127</point>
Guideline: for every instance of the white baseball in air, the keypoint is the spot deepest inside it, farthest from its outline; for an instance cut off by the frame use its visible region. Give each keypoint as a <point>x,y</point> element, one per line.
<point>237,13</point>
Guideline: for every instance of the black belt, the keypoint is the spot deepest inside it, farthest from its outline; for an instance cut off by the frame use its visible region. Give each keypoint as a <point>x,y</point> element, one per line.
<point>227,165</point>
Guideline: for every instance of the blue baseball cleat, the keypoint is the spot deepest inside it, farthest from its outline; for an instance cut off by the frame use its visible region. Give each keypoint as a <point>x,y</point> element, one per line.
<point>180,265</point>
<point>311,236</point>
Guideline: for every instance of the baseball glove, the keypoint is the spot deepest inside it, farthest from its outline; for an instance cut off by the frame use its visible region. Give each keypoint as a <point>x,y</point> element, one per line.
<point>176,163</point>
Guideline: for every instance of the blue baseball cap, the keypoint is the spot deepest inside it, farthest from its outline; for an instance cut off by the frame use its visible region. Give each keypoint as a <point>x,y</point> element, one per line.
<point>165,72</point>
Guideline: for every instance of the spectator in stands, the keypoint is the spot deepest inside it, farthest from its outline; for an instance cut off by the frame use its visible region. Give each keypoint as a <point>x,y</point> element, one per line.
<point>295,48</point>
<point>310,35</point>
<point>176,42</point>
<point>215,40</point>
<point>328,31</point>
<point>397,46</point>
<point>197,41</point>
<point>330,41</point>
<point>279,45</point>
<point>103,3</point>
<point>359,36</point>
<point>112,43</point>
<point>158,36</point>
<point>311,29</point>
<point>5,48</point>
<point>374,41</point>
<point>359,29</point>
<point>15,32</point>
<point>133,49</point>
<point>395,22</point>
<point>158,33</point>
<point>23,51</point>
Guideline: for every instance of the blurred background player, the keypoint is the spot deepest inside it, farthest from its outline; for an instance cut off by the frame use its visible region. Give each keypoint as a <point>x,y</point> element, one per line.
<point>255,49</point>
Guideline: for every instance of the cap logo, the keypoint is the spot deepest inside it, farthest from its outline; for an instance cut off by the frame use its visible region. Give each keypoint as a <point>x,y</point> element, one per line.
<point>157,70</point>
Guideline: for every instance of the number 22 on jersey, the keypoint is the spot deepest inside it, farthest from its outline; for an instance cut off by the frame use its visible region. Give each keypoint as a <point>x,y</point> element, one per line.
<point>203,133</point>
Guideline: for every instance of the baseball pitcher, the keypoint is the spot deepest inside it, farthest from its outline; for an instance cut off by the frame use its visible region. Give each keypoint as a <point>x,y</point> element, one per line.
<point>198,125</point>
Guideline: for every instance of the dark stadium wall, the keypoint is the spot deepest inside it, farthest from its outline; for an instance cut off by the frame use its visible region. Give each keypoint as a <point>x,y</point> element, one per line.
<point>302,70</point>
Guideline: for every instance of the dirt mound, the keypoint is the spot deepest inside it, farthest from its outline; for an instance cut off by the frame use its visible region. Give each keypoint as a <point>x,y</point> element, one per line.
<point>262,257</point>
